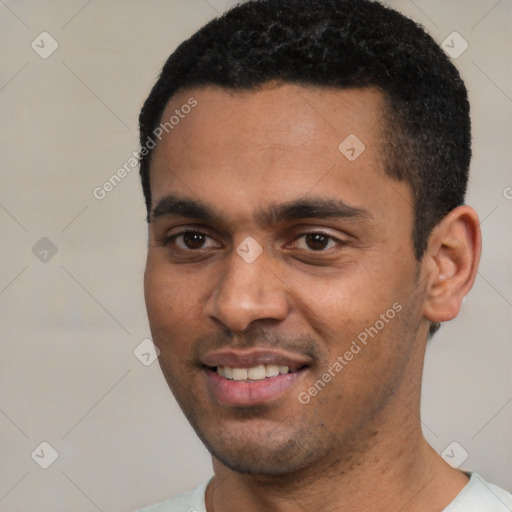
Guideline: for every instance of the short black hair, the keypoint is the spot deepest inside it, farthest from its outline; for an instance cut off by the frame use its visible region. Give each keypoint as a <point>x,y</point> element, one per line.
<point>343,44</point>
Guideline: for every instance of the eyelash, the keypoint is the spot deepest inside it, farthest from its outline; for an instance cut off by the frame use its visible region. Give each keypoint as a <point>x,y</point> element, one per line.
<point>168,240</point>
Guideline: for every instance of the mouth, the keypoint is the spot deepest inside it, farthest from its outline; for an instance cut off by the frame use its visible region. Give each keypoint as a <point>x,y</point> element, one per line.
<point>255,373</point>
<point>252,378</point>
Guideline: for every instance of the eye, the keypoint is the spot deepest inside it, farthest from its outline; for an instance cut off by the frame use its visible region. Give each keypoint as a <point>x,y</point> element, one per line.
<point>190,241</point>
<point>317,241</point>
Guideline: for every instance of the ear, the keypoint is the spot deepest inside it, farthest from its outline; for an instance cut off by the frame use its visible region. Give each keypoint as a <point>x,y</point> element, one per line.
<point>450,263</point>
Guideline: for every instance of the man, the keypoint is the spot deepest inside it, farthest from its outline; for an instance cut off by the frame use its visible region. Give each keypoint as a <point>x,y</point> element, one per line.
<point>304,166</point>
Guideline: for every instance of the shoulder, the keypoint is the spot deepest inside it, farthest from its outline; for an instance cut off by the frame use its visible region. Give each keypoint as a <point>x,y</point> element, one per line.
<point>481,496</point>
<point>192,501</point>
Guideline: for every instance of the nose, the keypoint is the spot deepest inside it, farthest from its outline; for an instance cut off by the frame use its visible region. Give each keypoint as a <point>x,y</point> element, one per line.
<point>247,292</point>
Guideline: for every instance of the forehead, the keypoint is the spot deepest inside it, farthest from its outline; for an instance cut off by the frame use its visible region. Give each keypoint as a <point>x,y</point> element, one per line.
<point>276,143</point>
<point>277,116</point>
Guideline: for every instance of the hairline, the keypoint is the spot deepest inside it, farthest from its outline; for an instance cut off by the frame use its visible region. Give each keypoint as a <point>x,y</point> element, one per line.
<point>387,121</point>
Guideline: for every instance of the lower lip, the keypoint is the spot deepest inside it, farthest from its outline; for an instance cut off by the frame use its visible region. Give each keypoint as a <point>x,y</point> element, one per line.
<point>249,393</point>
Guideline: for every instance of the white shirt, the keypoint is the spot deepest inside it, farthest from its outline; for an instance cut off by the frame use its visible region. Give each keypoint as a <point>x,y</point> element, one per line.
<point>476,496</point>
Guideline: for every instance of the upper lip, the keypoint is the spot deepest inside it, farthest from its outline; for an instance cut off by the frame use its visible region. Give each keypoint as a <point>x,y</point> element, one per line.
<point>254,357</point>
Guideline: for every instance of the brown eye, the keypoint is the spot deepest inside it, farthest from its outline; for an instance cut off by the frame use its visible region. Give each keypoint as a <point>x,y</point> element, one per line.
<point>193,240</point>
<point>317,241</point>
<point>189,241</point>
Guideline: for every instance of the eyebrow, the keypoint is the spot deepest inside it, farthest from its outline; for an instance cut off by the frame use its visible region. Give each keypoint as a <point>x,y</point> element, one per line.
<point>183,207</point>
<point>310,208</point>
<point>302,208</point>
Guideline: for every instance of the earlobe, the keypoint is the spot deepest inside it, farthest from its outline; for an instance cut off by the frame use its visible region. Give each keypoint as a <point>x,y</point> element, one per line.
<point>450,263</point>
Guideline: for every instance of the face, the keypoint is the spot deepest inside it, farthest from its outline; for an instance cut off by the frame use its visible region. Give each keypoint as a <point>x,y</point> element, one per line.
<point>281,280</point>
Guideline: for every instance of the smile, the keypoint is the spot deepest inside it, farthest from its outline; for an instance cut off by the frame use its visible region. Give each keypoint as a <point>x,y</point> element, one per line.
<point>246,378</point>
<point>259,372</point>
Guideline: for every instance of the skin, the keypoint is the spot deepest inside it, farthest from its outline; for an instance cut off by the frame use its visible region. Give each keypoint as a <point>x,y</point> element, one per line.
<point>359,440</point>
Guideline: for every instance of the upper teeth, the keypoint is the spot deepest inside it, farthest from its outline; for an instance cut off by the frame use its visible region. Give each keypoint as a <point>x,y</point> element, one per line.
<point>259,372</point>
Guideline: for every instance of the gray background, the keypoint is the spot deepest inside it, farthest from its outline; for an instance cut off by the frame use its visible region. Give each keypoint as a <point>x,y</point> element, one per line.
<point>71,320</point>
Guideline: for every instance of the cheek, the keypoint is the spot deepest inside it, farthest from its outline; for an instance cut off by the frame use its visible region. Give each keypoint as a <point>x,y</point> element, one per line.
<point>342,303</point>
<point>164,310</point>
<point>174,303</point>
<point>357,318</point>
<point>169,293</point>
<point>159,300</point>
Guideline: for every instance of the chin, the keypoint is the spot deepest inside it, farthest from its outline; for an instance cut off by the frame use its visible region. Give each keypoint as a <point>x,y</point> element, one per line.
<point>269,454</point>
<point>259,461</point>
